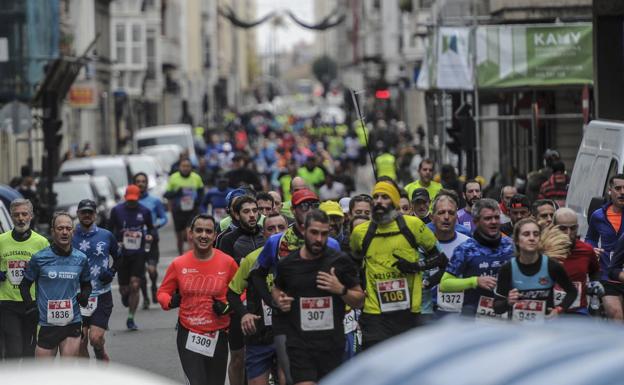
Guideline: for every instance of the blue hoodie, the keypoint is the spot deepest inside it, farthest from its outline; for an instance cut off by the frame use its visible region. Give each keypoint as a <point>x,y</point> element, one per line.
<point>156,208</point>
<point>600,229</point>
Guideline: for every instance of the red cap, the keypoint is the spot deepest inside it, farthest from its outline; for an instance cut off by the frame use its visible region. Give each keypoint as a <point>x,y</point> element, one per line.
<point>133,193</point>
<point>302,196</point>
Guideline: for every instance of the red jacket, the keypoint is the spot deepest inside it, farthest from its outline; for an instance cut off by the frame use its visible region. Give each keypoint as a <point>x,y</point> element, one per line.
<point>555,188</point>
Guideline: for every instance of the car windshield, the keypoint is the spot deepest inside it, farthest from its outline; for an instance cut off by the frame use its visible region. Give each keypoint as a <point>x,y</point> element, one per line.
<point>71,192</point>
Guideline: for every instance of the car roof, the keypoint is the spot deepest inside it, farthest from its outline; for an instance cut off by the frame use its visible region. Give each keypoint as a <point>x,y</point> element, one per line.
<point>93,162</point>
<point>163,130</point>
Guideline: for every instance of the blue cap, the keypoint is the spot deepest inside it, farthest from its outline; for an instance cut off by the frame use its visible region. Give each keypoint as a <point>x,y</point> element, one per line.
<point>239,192</point>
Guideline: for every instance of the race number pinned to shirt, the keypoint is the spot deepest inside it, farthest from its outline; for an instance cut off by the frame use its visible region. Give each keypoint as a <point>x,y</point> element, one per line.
<point>450,302</point>
<point>267,314</point>
<point>15,271</point>
<point>132,240</point>
<point>203,344</point>
<point>90,308</point>
<point>559,294</point>
<point>317,313</point>
<point>485,310</point>
<point>393,295</point>
<point>60,312</point>
<point>187,201</point>
<point>349,322</point>
<point>529,311</point>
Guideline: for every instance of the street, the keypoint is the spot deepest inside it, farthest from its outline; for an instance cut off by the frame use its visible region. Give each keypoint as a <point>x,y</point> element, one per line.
<point>153,346</point>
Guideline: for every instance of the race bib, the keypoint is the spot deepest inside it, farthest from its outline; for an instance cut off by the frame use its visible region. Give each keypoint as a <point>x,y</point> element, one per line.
<point>529,311</point>
<point>316,313</point>
<point>393,295</point>
<point>132,240</point>
<point>91,306</point>
<point>15,271</point>
<point>267,313</point>
<point>485,310</point>
<point>187,203</point>
<point>559,295</point>
<point>60,312</point>
<point>203,344</point>
<point>349,322</point>
<point>450,302</point>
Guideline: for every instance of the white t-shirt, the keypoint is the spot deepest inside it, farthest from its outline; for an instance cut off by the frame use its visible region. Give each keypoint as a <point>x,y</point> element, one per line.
<point>336,192</point>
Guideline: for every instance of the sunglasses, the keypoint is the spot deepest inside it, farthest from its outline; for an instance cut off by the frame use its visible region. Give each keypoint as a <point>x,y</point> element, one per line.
<point>305,206</point>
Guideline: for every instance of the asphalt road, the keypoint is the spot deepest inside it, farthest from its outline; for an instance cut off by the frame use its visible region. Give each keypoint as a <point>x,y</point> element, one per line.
<point>153,346</point>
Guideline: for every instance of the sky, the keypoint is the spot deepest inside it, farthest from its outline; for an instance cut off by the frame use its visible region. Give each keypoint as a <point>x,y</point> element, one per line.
<point>291,33</point>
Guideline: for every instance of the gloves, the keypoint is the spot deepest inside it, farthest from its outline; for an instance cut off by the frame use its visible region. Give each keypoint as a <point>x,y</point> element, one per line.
<point>221,308</point>
<point>176,298</point>
<point>83,299</point>
<point>595,288</point>
<point>2,276</point>
<point>406,267</point>
<point>106,276</point>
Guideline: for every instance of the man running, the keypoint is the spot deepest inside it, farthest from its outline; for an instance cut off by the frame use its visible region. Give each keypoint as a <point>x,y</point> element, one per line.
<point>519,208</point>
<point>185,191</point>
<point>18,329</point>
<point>256,315</point>
<point>159,216</point>
<point>132,225</point>
<point>420,204</point>
<point>393,266</point>
<point>472,193</point>
<point>99,245</point>
<point>312,287</point>
<point>473,268</point>
<point>193,282</point>
<point>425,172</point>
<point>63,284</point>
<point>543,210</point>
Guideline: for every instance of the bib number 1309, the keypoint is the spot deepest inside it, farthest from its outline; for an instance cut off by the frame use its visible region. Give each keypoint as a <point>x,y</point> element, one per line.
<point>203,344</point>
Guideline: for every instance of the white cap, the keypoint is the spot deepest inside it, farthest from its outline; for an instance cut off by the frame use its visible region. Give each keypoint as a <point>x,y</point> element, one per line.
<point>344,204</point>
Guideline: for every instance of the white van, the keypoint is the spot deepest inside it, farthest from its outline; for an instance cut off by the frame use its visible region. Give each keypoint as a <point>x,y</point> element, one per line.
<point>177,134</point>
<point>600,156</point>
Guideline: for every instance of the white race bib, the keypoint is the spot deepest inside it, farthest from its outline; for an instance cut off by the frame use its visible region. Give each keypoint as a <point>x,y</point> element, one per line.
<point>559,294</point>
<point>529,311</point>
<point>203,344</point>
<point>15,271</point>
<point>60,312</point>
<point>485,310</point>
<point>316,313</point>
<point>132,240</point>
<point>187,203</point>
<point>450,302</point>
<point>91,306</point>
<point>267,313</point>
<point>393,295</point>
<point>349,323</point>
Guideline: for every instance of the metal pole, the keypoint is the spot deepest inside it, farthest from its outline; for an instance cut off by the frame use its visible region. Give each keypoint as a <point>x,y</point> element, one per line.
<point>534,111</point>
<point>475,78</point>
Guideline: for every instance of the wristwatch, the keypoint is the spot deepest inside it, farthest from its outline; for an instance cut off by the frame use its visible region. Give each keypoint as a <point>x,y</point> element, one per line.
<point>344,290</point>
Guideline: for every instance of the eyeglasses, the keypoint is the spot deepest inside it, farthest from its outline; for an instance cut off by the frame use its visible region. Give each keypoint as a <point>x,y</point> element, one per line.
<point>305,206</point>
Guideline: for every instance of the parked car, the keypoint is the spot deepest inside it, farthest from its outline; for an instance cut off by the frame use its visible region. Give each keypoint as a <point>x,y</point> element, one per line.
<point>178,134</point>
<point>6,223</point>
<point>70,191</point>
<point>166,154</point>
<point>157,177</point>
<point>112,166</point>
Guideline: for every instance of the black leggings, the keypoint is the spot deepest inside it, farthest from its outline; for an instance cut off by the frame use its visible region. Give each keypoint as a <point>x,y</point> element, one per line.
<point>199,369</point>
<point>19,333</point>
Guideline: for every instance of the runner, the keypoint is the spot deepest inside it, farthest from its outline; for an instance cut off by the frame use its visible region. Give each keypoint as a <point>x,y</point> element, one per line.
<point>472,193</point>
<point>425,172</point>
<point>63,284</point>
<point>405,207</point>
<point>444,220</point>
<point>312,287</point>
<point>421,204</point>
<point>604,231</point>
<point>580,264</point>
<point>474,266</point>
<point>519,208</point>
<point>526,283</point>
<point>543,210</point>
<point>193,281</point>
<point>185,190</point>
<point>99,245</point>
<point>361,205</point>
<point>18,329</point>
<point>388,245</point>
<point>159,216</point>
<point>132,225</point>
<point>256,319</point>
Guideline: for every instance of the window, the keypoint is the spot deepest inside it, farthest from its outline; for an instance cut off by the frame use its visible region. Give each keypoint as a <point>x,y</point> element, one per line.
<point>150,51</point>
<point>130,43</point>
<point>120,43</point>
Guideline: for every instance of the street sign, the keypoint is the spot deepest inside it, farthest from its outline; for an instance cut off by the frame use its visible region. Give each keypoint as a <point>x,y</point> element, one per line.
<point>83,95</point>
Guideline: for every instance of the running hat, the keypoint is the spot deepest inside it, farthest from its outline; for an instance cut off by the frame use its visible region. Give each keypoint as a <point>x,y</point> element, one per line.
<point>388,189</point>
<point>331,208</point>
<point>239,192</point>
<point>133,193</point>
<point>518,201</point>
<point>420,194</point>
<point>344,204</point>
<point>87,205</point>
<point>303,195</point>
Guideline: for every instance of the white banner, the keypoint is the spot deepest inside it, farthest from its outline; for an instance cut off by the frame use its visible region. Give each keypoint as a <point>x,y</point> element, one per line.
<point>454,67</point>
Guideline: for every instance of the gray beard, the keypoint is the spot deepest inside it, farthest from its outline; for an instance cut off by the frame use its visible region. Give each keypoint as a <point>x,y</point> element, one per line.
<point>387,217</point>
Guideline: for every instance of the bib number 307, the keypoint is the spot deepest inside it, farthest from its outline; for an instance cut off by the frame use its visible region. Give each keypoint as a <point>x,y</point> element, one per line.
<point>317,313</point>
<point>203,344</point>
